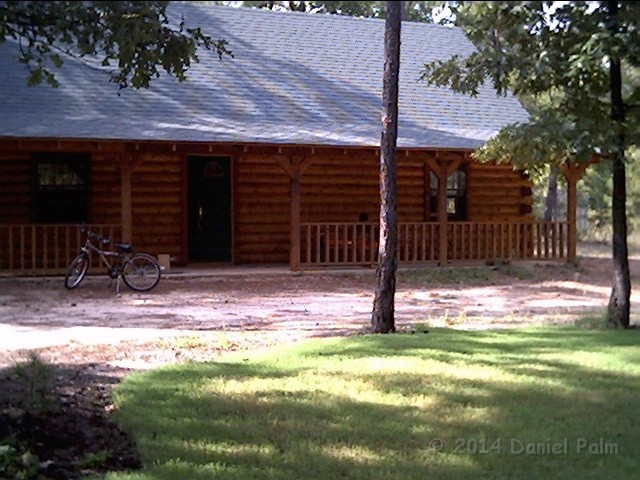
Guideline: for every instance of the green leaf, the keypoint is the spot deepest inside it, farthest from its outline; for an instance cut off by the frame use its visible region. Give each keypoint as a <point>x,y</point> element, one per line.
<point>35,77</point>
<point>57,61</point>
<point>137,35</point>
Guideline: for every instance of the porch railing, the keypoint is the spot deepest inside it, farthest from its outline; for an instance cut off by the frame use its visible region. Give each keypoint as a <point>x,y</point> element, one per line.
<point>39,249</point>
<point>339,243</point>
<point>345,243</point>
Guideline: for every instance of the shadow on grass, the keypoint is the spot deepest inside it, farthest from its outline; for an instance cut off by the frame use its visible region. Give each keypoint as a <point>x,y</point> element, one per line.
<point>449,404</point>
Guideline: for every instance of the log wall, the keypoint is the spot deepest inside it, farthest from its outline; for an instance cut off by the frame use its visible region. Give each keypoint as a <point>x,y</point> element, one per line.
<point>497,193</point>
<point>261,226</point>
<point>156,199</point>
<point>339,189</point>
<point>336,186</point>
<point>104,189</point>
<point>411,190</point>
<point>16,183</point>
<point>156,192</point>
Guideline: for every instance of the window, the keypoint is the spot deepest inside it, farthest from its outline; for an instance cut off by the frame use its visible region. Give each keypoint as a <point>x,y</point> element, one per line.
<point>456,195</point>
<point>61,190</point>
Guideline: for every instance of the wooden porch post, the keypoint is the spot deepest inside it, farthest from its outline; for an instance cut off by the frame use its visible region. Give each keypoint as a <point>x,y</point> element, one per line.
<point>443,251</point>
<point>126,218</point>
<point>443,171</point>
<point>294,189</point>
<point>441,210</point>
<point>572,174</point>
<point>294,165</point>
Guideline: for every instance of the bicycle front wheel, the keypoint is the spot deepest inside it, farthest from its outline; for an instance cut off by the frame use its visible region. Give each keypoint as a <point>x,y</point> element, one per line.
<point>76,271</point>
<point>141,272</point>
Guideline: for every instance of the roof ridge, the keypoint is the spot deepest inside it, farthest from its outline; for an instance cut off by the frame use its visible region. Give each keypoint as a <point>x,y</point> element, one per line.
<point>323,16</point>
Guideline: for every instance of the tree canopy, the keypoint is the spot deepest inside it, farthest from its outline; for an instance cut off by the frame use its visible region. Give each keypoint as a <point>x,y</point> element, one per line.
<point>136,39</point>
<point>558,53</point>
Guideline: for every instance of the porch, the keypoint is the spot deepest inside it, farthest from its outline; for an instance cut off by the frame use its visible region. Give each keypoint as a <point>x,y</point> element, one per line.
<point>460,219</point>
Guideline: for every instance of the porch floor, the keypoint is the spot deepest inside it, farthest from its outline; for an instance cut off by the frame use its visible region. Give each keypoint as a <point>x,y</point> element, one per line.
<point>249,270</point>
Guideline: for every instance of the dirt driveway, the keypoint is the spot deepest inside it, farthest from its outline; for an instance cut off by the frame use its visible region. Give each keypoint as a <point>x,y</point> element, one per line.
<point>264,308</point>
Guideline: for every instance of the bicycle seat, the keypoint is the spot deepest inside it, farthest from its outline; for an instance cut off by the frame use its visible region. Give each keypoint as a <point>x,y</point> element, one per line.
<point>124,247</point>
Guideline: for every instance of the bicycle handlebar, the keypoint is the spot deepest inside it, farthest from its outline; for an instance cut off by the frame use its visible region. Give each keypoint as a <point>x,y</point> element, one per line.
<point>91,235</point>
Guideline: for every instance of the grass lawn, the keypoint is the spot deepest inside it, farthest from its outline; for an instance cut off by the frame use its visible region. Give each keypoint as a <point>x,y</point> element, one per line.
<point>517,404</point>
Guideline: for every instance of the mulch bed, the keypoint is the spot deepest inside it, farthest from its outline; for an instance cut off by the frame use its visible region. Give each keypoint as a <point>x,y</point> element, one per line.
<point>59,424</point>
<point>55,408</point>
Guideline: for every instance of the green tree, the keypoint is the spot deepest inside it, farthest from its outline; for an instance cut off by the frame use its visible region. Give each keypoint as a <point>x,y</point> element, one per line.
<point>135,38</point>
<point>382,320</point>
<point>575,52</point>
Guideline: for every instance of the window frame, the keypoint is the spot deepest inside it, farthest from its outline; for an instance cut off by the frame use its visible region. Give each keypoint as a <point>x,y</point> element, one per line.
<point>458,197</point>
<point>62,201</point>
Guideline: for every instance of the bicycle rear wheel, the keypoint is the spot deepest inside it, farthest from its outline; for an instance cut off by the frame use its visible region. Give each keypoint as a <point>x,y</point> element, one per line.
<point>76,271</point>
<point>141,272</point>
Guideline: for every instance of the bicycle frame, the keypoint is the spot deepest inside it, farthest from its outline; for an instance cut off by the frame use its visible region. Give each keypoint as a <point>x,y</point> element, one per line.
<point>114,268</point>
<point>104,255</point>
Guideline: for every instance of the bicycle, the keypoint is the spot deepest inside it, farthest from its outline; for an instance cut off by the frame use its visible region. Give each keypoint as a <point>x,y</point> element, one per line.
<point>140,271</point>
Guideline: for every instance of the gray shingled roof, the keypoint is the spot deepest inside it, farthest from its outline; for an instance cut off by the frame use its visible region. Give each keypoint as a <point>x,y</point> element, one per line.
<point>295,79</point>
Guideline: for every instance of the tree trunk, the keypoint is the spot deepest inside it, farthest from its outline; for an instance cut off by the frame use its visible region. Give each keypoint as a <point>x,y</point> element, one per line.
<point>382,320</point>
<point>619,307</point>
<point>551,201</point>
<point>618,311</point>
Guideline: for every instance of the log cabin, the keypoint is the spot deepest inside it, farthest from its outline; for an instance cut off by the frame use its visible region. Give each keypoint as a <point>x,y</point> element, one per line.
<point>269,157</point>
